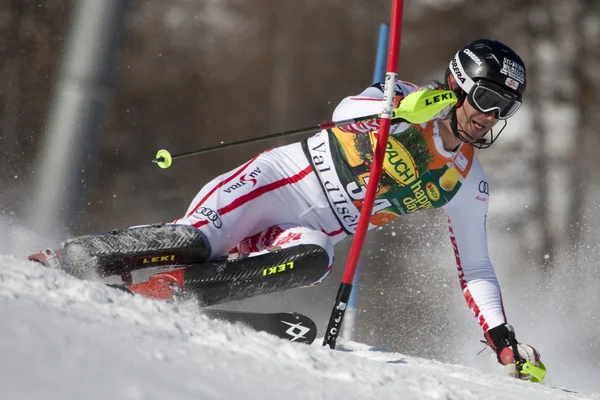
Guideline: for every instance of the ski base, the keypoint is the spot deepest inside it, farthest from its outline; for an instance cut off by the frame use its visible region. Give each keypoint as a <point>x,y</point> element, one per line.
<point>290,326</point>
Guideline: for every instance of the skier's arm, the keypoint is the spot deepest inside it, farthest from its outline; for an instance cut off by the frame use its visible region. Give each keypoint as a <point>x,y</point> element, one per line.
<point>467,213</point>
<point>369,102</point>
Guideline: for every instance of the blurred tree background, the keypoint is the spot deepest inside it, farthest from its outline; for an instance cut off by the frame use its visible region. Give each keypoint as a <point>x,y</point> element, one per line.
<point>195,73</point>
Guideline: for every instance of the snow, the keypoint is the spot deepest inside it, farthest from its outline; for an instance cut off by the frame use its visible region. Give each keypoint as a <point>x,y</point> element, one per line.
<point>64,338</point>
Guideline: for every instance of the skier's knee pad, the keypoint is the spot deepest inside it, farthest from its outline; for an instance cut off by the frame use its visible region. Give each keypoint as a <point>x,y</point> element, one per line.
<point>121,251</point>
<point>274,271</point>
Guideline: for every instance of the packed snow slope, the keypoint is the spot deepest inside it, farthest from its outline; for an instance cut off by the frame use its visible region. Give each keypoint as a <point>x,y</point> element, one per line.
<point>63,338</point>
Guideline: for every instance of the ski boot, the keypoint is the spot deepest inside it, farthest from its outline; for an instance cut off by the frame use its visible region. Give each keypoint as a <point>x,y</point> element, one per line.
<point>48,258</point>
<point>162,286</point>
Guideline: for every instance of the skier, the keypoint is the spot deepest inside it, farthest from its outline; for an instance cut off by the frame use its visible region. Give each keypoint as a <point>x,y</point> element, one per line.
<point>272,223</point>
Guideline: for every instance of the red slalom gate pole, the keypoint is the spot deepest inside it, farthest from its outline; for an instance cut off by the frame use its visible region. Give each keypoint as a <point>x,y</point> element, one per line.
<point>343,295</point>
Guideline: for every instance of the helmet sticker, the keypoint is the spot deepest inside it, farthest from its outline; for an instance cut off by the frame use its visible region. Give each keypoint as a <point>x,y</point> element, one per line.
<point>464,81</point>
<point>511,83</point>
<point>473,57</point>
<point>513,70</point>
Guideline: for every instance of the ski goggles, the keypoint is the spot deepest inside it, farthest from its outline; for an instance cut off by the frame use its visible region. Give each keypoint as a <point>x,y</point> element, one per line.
<point>486,97</point>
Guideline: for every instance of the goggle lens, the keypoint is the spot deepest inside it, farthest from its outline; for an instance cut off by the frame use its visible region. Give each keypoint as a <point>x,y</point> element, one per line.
<point>486,99</point>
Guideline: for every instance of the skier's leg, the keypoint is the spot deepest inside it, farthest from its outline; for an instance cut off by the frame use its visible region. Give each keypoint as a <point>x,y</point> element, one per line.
<point>277,187</point>
<point>122,251</point>
<point>280,258</point>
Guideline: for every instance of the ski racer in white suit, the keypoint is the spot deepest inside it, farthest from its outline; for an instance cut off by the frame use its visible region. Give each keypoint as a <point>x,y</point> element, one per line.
<point>311,193</point>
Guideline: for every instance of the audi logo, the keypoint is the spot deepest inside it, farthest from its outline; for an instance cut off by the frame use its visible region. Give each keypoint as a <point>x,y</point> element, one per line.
<point>484,187</point>
<point>211,215</point>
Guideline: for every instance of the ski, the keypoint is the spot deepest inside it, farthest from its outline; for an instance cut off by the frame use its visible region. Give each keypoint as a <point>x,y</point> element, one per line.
<point>564,389</point>
<point>291,326</point>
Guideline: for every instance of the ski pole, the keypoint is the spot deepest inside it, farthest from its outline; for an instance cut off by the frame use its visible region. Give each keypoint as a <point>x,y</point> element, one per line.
<point>164,158</point>
<point>343,295</point>
<point>378,76</point>
<point>417,108</point>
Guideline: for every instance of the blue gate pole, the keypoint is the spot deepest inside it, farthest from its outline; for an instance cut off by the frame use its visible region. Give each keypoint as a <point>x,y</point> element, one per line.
<point>349,325</point>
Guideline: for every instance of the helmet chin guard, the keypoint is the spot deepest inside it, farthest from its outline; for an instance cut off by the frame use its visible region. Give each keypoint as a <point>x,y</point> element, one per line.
<point>481,143</point>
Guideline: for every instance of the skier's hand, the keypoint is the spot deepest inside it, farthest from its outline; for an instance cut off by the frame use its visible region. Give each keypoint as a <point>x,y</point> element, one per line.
<point>446,112</point>
<point>425,105</point>
<point>526,364</point>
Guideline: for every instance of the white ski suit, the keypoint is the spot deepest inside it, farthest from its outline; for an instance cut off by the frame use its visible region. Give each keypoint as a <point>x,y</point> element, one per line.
<point>311,193</point>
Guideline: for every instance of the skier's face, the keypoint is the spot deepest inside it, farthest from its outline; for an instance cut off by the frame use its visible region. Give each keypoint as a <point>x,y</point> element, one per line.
<point>473,123</point>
